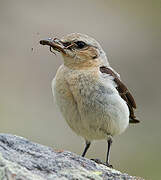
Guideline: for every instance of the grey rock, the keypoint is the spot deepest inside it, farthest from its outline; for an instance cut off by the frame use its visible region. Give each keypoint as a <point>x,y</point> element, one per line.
<point>21,159</point>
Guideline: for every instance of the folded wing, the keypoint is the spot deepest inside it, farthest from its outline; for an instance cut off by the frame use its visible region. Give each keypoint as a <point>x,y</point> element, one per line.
<point>124,93</point>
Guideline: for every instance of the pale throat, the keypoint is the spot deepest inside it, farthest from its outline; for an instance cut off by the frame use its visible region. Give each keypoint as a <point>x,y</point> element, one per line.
<point>86,64</point>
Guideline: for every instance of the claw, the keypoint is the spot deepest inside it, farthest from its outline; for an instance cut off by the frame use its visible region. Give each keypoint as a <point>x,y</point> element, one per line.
<point>98,161</point>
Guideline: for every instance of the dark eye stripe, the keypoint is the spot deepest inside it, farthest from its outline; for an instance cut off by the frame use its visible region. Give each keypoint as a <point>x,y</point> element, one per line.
<point>66,44</point>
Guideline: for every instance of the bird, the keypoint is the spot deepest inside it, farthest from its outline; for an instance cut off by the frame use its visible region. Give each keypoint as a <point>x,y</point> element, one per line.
<point>90,94</point>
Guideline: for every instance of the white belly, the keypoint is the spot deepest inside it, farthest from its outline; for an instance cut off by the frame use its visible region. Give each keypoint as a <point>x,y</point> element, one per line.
<point>92,111</point>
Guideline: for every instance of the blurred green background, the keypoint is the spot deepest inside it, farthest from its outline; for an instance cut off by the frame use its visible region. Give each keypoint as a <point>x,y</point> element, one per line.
<point>129,32</point>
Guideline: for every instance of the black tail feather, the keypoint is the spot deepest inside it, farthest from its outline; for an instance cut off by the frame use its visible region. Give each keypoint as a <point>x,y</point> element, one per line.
<point>133,121</point>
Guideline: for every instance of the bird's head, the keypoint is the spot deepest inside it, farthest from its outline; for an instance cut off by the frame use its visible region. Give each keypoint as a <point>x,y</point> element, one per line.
<point>78,50</point>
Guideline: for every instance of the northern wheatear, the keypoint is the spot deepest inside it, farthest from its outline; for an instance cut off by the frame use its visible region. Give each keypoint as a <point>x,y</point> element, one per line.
<point>91,97</point>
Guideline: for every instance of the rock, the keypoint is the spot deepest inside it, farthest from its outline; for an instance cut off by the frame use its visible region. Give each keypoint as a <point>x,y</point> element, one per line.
<point>21,159</point>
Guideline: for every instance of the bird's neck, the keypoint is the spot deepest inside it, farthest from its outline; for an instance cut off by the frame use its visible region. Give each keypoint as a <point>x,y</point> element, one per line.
<point>85,64</point>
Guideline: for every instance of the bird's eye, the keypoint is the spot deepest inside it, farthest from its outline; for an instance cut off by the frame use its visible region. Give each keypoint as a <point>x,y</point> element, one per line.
<point>80,44</point>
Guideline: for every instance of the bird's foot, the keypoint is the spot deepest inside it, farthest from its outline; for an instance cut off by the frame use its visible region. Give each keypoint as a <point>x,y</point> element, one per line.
<point>98,161</point>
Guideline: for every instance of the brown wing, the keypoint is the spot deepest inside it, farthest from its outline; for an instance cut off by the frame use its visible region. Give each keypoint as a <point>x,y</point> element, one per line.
<point>124,93</point>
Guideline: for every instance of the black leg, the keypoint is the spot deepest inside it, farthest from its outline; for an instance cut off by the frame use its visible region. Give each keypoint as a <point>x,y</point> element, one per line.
<point>109,141</point>
<point>88,143</point>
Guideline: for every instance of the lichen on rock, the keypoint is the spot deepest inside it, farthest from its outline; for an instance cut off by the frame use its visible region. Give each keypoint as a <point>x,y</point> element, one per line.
<point>21,159</point>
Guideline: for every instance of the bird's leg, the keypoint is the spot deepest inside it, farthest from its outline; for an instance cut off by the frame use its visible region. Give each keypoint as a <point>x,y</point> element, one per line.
<point>109,141</point>
<point>88,143</point>
<point>52,51</point>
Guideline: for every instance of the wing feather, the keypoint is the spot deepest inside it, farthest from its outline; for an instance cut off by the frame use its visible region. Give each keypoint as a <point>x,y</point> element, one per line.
<point>124,93</point>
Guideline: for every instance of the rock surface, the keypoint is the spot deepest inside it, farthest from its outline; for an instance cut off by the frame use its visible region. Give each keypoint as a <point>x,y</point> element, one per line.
<point>21,159</point>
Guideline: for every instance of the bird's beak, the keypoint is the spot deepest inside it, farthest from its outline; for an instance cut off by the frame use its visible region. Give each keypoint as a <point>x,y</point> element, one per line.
<point>55,43</point>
